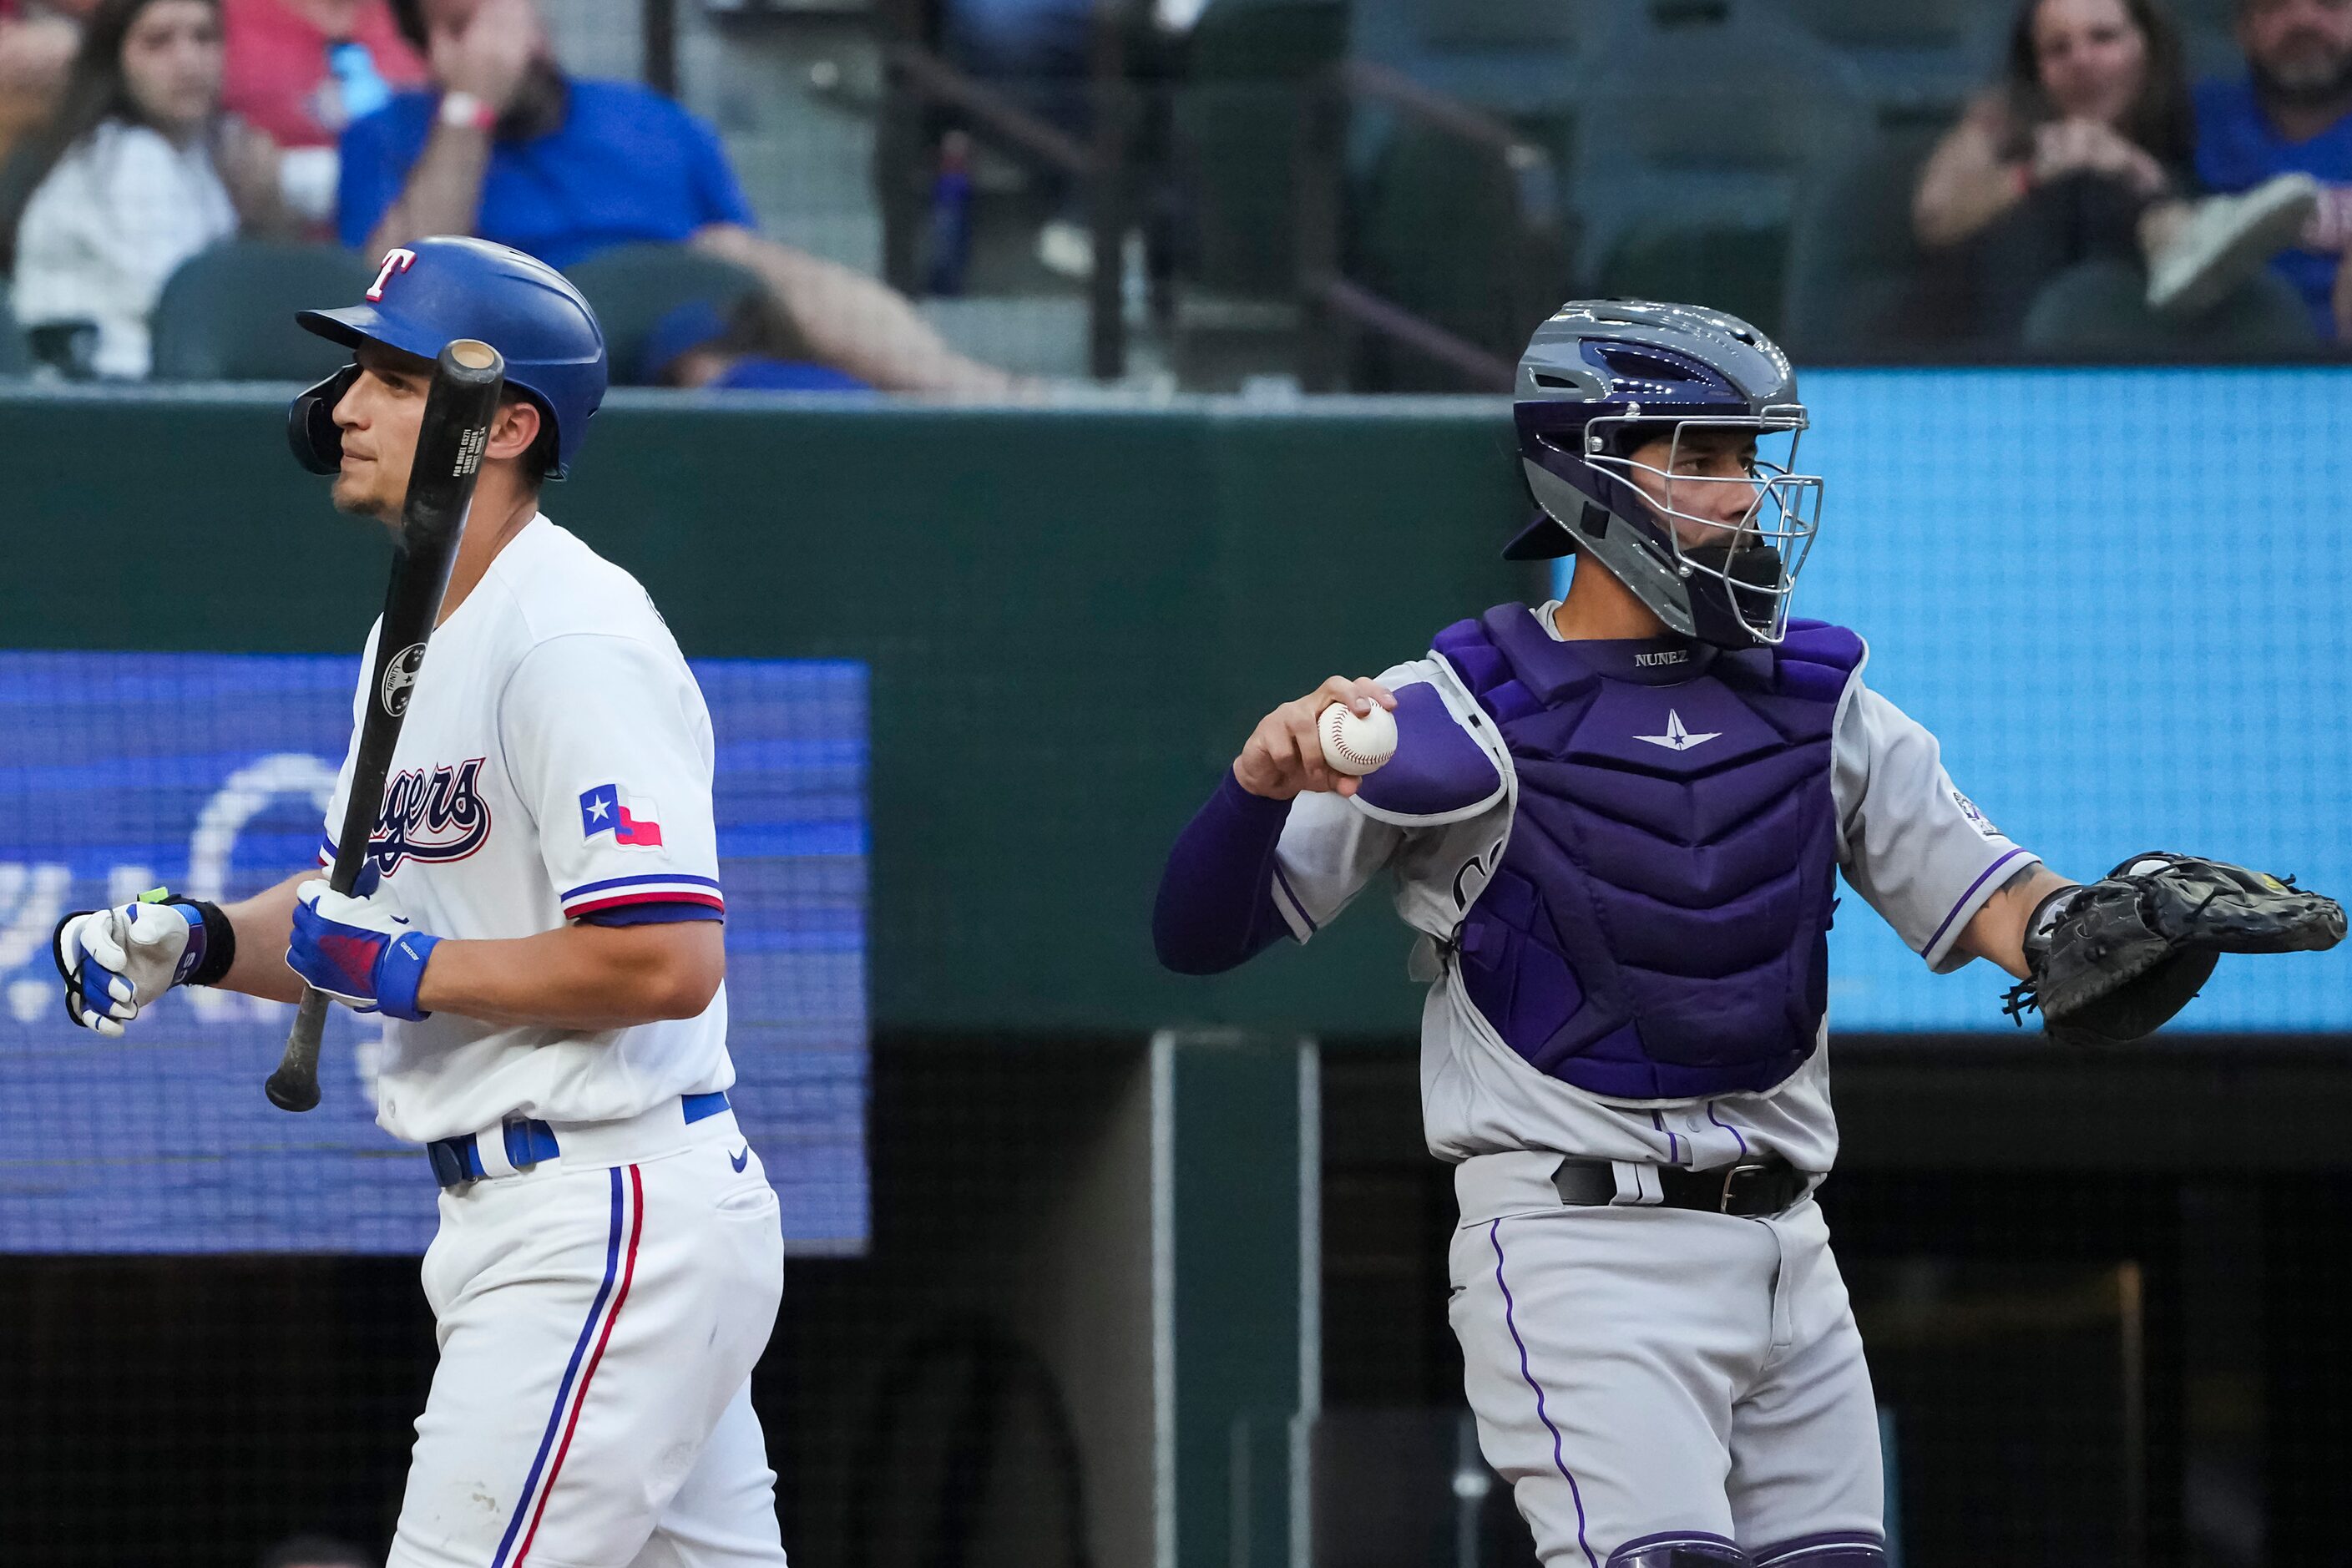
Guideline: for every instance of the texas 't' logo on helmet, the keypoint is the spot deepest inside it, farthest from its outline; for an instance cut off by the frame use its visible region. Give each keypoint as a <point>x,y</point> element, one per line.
<point>399,258</point>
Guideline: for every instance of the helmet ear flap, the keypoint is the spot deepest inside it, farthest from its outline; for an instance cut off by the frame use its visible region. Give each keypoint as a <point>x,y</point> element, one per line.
<point>310,428</point>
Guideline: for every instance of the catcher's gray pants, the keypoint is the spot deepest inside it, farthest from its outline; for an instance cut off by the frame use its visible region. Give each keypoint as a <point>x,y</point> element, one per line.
<point>1644,1372</point>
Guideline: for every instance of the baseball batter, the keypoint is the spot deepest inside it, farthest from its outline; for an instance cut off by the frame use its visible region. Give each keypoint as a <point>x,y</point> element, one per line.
<point>1617,820</point>
<point>542,940</point>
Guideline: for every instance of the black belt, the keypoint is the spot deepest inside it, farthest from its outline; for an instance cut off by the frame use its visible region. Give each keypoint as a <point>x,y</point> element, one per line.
<point>1752,1189</point>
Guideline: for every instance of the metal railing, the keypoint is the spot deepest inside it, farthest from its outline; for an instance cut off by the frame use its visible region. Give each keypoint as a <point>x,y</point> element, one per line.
<point>918,79</point>
<point>1336,306</point>
<point>1114,174</point>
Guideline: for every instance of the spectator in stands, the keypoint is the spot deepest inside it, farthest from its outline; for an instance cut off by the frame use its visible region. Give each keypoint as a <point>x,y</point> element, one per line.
<point>37,49</point>
<point>137,171</point>
<point>2292,114</point>
<point>510,148</point>
<point>301,70</point>
<point>746,347</point>
<point>2082,156</point>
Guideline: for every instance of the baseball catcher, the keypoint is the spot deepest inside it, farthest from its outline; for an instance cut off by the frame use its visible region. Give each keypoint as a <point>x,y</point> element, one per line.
<point>1618,821</point>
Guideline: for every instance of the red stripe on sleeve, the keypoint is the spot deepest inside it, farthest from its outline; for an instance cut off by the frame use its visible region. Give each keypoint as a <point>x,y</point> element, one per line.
<point>678,896</point>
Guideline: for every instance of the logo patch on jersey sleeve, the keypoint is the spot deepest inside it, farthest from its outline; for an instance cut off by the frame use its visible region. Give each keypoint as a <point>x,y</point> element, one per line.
<point>634,821</point>
<point>1976,819</point>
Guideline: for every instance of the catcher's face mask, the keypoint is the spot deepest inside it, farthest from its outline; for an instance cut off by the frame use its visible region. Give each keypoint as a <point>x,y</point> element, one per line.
<point>1727,503</point>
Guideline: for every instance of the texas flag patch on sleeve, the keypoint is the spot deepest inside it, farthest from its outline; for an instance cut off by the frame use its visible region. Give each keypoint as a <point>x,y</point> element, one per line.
<point>634,821</point>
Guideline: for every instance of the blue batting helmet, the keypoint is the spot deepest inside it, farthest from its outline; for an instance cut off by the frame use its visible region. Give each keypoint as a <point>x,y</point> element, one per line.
<point>449,287</point>
<point>1603,379</point>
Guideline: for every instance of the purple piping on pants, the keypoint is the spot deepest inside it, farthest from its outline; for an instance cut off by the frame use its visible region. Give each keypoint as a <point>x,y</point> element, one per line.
<point>1971,893</point>
<point>1728,1127</point>
<point>1510,1322</point>
<point>1674,1144</point>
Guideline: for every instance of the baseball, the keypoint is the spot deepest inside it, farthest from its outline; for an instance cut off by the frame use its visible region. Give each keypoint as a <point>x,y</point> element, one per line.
<point>1356,745</point>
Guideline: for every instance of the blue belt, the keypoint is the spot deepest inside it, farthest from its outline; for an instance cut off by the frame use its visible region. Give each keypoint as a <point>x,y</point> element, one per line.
<point>457,1160</point>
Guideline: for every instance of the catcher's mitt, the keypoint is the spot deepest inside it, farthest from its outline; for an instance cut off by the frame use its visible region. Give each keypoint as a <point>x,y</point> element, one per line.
<point>2128,950</point>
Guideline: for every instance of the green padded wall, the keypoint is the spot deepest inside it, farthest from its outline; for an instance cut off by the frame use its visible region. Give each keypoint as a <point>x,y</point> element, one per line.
<point>1072,615</point>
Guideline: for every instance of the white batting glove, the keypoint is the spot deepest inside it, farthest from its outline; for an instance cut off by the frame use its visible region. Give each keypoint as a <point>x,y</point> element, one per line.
<point>116,961</point>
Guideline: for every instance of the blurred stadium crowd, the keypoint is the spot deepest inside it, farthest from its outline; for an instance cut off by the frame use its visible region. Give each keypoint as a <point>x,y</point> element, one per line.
<point>1371,194</point>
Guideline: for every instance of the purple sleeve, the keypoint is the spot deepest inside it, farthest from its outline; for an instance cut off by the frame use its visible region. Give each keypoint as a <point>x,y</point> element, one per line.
<point>1215,910</point>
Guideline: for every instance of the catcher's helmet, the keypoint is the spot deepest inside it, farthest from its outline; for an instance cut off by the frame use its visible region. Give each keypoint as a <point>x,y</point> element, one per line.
<point>1605,378</point>
<point>449,287</point>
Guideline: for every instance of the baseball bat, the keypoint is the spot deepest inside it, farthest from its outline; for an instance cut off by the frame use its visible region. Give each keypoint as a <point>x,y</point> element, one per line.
<point>458,407</point>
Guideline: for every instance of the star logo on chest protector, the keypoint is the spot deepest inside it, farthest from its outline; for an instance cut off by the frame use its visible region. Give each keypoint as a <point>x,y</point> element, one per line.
<point>1676,738</point>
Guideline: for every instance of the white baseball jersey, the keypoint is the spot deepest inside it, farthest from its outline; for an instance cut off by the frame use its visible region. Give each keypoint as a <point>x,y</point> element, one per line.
<point>1908,842</point>
<point>554,764</point>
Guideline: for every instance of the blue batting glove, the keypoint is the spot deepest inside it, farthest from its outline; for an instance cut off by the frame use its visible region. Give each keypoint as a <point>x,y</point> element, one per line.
<point>364,952</point>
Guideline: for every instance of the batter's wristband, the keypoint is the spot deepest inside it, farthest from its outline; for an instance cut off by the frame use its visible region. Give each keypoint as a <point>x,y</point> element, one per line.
<point>400,972</point>
<point>218,938</point>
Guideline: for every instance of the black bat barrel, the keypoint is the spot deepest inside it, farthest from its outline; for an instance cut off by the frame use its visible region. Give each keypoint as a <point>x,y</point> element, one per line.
<point>462,400</point>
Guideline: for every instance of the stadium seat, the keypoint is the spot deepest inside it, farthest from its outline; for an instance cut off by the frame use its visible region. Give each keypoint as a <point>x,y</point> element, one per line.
<point>1700,125</point>
<point>1912,55</point>
<point>2206,36</point>
<point>2218,15</point>
<point>227,314</point>
<point>1451,233</point>
<point>16,357</point>
<point>2212,54</point>
<point>2099,310</point>
<point>1511,24</point>
<point>633,286</point>
<point>1233,123</point>
<point>1731,266</point>
<point>1858,286</point>
<point>1450,155</point>
<point>1507,57</point>
<point>1735,91</point>
<point>1265,41</point>
<point>1915,25</point>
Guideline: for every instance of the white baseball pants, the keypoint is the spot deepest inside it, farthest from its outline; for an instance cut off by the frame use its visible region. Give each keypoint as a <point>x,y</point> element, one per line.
<point>598,1323</point>
<point>1647,1374</point>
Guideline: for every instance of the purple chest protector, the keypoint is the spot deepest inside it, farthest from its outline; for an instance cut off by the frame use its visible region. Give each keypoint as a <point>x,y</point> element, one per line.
<point>1658,928</point>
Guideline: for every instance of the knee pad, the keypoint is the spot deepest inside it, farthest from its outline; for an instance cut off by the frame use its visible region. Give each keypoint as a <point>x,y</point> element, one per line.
<point>1841,1550</point>
<point>1679,1549</point>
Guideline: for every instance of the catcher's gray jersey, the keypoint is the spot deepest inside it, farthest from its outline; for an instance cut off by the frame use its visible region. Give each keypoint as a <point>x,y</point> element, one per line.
<point>1909,842</point>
